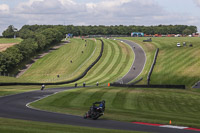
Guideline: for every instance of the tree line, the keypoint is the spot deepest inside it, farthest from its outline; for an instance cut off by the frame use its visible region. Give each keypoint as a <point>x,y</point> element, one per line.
<point>29,30</point>
<point>33,43</point>
<point>37,38</point>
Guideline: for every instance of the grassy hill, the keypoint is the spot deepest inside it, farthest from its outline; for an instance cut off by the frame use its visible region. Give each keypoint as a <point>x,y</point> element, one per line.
<point>5,79</point>
<point>58,62</point>
<point>177,65</point>
<point>115,62</point>
<point>130,104</point>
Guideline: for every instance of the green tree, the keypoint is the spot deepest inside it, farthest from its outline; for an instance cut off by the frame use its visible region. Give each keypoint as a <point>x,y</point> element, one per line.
<point>9,32</point>
<point>187,32</point>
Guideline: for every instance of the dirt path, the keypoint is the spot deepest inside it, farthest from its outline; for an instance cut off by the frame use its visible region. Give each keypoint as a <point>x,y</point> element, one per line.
<point>22,71</point>
<point>4,46</point>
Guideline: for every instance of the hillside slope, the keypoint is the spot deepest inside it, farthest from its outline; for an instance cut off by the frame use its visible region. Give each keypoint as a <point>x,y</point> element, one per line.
<point>68,62</point>
<point>177,65</point>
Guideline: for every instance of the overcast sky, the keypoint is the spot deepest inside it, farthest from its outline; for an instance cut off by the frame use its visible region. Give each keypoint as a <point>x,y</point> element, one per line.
<point>99,12</point>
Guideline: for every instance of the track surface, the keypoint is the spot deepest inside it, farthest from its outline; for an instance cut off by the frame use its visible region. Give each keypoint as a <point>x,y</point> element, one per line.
<point>14,106</point>
<point>138,64</point>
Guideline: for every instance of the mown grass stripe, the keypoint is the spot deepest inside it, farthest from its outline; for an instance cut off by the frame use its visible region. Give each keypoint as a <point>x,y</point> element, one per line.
<point>82,97</point>
<point>177,65</point>
<point>123,67</point>
<point>60,62</point>
<point>119,99</point>
<point>112,64</point>
<point>96,96</point>
<point>66,99</point>
<point>98,68</point>
<point>109,62</point>
<point>110,95</point>
<point>114,71</point>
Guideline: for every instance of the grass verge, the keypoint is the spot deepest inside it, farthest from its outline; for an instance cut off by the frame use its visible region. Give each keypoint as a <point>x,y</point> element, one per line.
<point>9,90</point>
<point>130,104</point>
<point>22,126</point>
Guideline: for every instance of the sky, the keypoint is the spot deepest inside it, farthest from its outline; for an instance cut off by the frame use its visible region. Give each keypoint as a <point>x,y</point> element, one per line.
<point>99,12</point>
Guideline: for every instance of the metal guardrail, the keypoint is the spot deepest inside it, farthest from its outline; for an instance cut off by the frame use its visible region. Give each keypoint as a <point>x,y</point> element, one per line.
<point>152,66</point>
<point>149,86</point>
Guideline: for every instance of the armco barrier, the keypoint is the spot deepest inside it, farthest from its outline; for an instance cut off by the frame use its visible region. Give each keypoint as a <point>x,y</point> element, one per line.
<point>152,66</point>
<point>149,86</point>
<point>64,82</point>
<point>137,81</point>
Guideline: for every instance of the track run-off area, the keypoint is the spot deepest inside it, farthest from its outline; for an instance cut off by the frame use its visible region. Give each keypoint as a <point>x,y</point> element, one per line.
<point>18,106</point>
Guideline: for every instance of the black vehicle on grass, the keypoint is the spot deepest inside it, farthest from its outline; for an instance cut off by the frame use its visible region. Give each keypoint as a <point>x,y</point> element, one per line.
<point>95,111</point>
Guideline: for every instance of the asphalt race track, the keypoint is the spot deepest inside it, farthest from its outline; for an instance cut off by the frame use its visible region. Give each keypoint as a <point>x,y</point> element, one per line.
<point>138,64</point>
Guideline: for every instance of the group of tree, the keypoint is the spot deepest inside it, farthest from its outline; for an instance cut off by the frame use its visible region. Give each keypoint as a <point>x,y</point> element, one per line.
<point>126,30</point>
<point>10,32</point>
<point>33,43</point>
<point>39,37</point>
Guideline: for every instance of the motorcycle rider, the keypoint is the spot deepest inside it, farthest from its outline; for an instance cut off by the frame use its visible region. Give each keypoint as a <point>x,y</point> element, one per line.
<point>43,86</point>
<point>101,105</point>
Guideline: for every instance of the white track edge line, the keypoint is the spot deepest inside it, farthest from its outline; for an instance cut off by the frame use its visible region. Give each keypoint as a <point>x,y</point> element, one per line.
<point>134,60</point>
<point>31,107</point>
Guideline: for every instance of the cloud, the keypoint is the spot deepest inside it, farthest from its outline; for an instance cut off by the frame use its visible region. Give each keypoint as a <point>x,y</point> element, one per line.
<point>4,8</point>
<point>104,12</point>
<point>197,2</point>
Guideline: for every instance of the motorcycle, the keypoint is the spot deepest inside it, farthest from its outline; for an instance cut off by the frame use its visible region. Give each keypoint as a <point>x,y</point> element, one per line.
<point>94,113</point>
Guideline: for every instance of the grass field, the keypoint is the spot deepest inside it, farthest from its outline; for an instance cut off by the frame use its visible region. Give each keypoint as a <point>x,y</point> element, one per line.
<point>10,40</point>
<point>59,63</point>
<point>130,104</point>
<point>177,65</point>
<point>22,126</point>
<point>115,62</point>
<point>8,90</point>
